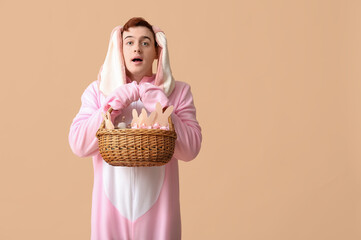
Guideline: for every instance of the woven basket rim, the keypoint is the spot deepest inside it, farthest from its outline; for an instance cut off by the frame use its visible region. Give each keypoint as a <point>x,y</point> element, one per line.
<point>137,131</point>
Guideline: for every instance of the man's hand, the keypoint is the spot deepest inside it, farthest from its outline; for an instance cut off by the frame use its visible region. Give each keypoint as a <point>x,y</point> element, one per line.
<point>124,95</point>
<point>150,95</point>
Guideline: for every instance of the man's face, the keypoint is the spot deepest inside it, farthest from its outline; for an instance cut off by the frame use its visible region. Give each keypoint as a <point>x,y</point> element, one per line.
<point>139,51</point>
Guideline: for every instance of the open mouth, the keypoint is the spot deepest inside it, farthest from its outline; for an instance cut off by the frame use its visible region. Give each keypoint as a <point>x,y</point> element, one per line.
<point>137,60</point>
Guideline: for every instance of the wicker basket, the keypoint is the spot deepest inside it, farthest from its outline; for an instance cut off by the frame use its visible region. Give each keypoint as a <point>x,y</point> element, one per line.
<point>136,147</point>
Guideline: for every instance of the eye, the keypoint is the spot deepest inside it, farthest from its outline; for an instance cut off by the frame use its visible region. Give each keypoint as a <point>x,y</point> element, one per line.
<point>129,43</point>
<point>145,44</point>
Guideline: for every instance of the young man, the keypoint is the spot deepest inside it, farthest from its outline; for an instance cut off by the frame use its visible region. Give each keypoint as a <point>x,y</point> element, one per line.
<point>135,202</point>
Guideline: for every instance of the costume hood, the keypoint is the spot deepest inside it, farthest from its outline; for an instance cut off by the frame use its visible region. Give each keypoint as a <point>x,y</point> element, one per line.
<point>112,73</point>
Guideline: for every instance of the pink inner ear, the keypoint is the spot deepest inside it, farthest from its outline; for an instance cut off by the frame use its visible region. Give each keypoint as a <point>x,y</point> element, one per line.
<point>156,29</point>
<point>159,75</point>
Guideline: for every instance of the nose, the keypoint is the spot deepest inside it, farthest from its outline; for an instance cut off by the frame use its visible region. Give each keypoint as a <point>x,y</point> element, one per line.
<point>136,48</point>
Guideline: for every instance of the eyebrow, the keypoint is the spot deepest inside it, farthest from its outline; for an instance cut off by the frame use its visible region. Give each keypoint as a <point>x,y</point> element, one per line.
<point>140,37</point>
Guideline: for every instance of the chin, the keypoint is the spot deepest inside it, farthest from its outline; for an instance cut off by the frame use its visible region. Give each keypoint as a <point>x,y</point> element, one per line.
<point>137,72</point>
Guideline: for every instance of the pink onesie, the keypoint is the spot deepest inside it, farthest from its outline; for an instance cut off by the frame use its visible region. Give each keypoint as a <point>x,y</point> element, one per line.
<point>138,203</point>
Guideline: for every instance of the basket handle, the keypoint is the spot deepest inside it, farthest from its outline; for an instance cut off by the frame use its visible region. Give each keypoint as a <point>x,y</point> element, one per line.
<point>171,126</point>
<point>110,110</point>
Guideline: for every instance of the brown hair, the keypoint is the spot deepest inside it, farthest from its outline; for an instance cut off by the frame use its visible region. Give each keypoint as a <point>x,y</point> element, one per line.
<point>136,22</point>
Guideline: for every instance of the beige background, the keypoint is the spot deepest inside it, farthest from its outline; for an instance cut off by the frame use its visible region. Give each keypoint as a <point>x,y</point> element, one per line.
<point>277,90</point>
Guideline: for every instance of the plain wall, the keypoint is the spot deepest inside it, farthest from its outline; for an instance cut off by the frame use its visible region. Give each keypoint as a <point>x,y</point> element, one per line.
<point>277,89</point>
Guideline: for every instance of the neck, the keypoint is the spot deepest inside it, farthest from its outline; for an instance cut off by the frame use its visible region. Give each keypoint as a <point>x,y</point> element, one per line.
<point>139,77</point>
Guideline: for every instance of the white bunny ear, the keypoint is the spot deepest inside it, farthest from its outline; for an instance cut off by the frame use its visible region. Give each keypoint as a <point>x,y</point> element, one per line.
<point>112,73</point>
<point>164,78</point>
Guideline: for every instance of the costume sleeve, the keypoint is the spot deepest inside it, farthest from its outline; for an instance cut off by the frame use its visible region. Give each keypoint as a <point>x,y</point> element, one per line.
<point>82,139</point>
<point>189,136</point>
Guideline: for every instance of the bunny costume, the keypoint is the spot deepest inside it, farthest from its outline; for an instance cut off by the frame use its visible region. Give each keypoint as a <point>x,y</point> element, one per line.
<point>138,203</point>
